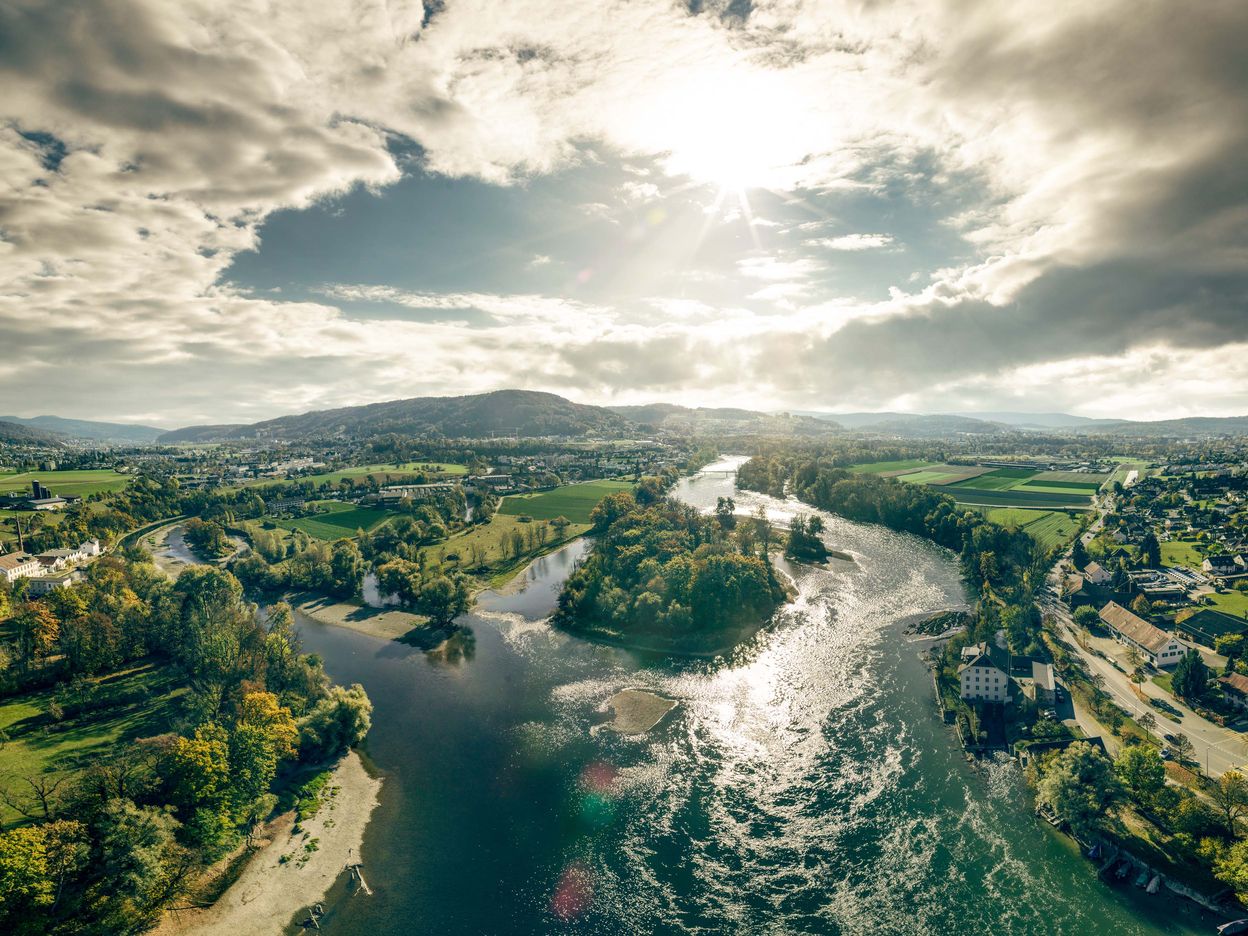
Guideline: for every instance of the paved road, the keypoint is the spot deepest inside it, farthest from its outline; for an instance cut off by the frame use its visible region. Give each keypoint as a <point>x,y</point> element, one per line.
<point>1221,749</point>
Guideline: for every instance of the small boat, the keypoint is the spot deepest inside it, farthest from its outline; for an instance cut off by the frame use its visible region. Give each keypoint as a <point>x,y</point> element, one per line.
<point>1154,885</point>
<point>1234,927</point>
<point>1142,879</point>
<point>1123,870</point>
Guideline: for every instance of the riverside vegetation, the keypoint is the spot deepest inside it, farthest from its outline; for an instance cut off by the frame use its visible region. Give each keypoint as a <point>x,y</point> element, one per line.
<point>1190,828</point>
<point>665,577</point>
<point>154,725</point>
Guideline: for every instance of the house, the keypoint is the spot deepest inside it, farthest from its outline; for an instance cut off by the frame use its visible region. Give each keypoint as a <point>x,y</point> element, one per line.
<point>491,481</point>
<point>1235,690</point>
<point>1221,565</point>
<point>283,504</point>
<point>1043,682</point>
<point>983,675</point>
<point>17,565</point>
<point>42,584</point>
<point>1160,648</point>
<point>1097,575</point>
<point>60,558</point>
<point>417,492</point>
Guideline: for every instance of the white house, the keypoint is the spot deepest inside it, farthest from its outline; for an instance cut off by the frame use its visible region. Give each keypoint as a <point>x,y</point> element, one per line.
<point>42,584</point>
<point>1095,573</point>
<point>980,677</point>
<point>1157,646</point>
<point>17,565</point>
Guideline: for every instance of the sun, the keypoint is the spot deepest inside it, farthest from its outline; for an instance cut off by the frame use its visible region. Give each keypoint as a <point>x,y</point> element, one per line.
<point>734,129</point>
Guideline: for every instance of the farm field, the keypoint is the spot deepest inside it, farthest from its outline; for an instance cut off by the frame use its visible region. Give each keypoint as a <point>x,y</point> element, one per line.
<point>340,520</point>
<point>1123,471</point>
<point>1049,528</point>
<point>49,518</point>
<point>573,501</point>
<point>992,481</point>
<point>1015,498</point>
<point>887,466</point>
<point>144,703</point>
<point>1055,488</point>
<point>1084,477</point>
<point>78,482</point>
<point>926,476</point>
<point>383,474</point>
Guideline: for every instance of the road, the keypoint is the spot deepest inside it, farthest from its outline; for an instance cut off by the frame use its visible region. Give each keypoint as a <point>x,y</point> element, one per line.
<point>1218,749</point>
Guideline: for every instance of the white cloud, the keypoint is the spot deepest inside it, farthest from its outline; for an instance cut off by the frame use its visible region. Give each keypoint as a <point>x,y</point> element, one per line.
<point>851,242</point>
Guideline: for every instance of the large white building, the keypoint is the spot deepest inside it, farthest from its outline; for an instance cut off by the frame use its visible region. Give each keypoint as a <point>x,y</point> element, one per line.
<point>17,565</point>
<point>980,677</point>
<point>1157,646</point>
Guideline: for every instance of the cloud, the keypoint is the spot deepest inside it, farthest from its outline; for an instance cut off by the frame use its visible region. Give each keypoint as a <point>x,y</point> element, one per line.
<point>1088,163</point>
<point>851,242</point>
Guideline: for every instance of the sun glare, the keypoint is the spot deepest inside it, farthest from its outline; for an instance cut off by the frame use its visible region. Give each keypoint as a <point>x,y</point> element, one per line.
<point>734,130</point>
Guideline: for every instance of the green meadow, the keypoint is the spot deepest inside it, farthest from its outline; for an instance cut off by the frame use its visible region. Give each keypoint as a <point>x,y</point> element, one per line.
<point>573,501</point>
<point>80,482</point>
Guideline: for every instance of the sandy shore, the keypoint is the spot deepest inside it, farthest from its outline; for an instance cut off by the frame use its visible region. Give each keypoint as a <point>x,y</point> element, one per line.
<point>636,711</point>
<point>270,892</point>
<point>386,623</point>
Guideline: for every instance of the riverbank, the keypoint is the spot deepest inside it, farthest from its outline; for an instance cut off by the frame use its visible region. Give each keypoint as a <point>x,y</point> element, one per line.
<point>283,877</point>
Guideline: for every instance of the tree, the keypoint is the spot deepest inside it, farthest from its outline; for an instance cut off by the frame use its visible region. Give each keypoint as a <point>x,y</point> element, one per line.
<point>346,569</point>
<point>1150,550</point>
<point>1142,772</point>
<point>36,629</point>
<point>139,856</point>
<point>724,513</point>
<point>1148,722</point>
<point>1079,784</point>
<point>1086,617</point>
<point>1079,554</point>
<point>1184,750</point>
<point>35,862</point>
<point>1142,606</point>
<point>337,722</point>
<point>1230,796</point>
<point>1191,676</point>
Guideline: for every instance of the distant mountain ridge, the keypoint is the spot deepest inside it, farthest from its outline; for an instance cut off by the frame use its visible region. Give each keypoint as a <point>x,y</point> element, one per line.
<point>522,412</point>
<point>14,433</point>
<point>670,417</point>
<point>90,429</point>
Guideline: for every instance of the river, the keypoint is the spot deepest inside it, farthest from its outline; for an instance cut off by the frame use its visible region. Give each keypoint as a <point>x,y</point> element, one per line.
<point>805,785</point>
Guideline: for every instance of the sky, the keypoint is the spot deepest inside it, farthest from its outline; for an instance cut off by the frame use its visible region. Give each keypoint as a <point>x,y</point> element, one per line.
<point>227,210</point>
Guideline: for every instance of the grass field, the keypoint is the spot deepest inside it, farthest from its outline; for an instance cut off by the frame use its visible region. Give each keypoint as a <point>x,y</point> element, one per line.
<point>144,703</point>
<point>81,483</point>
<point>988,482</point>
<point>883,467</point>
<point>1096,480</point>
<point>573,501</point>
<point>1181,553</point>
<point>926,476</point>
<point>1041,484</point>
<point>489,537</point>
<point>338,521</point>
<point>1049,528</point>
<point>1124,469</point>
<point>383,474</point>
<point>1233,602</point>
<point>980,498</point>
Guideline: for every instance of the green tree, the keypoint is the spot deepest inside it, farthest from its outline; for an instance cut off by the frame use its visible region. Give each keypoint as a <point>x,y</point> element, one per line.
<point>1230,797</point>
<point>1079,554</point>
<point>1142,772</point>
<point>1142,606</point>
<point>1191,676</point>
<point>724,513</point>
<point>1086,617</point>
<point>1150,550</point>
<point>35,863</point>
<point>337,722</point>
<point>1079,784</point>
<point>1184,750</point>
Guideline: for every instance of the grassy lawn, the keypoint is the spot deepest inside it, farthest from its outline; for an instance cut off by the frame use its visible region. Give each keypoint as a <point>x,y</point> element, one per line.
<point>1181,553</point>
<point>1162,680</point>
<point>573,501</point>
<point>489,537</point>
<point>50,518</point>
<point>886,466</point>
<point>338,521</point>
<point>928,476</point>
<point>82,483</point>
<point>1049,528</point>
<point>990,482</point>
<point>1233,602</point>
<point>144,702</point>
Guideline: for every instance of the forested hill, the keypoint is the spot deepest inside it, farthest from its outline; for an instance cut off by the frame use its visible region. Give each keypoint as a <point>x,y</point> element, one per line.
<point>522,412</point>
<point>17,434</point>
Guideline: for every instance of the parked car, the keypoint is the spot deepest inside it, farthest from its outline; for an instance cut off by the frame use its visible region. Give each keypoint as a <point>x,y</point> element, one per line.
<point>1171,738</point>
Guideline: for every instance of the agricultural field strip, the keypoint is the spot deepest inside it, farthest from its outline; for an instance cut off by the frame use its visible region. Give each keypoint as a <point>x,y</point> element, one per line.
<point>888,468</point>
<point>79,482</point>
<point>990,498</point>
<point>572,501</point>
